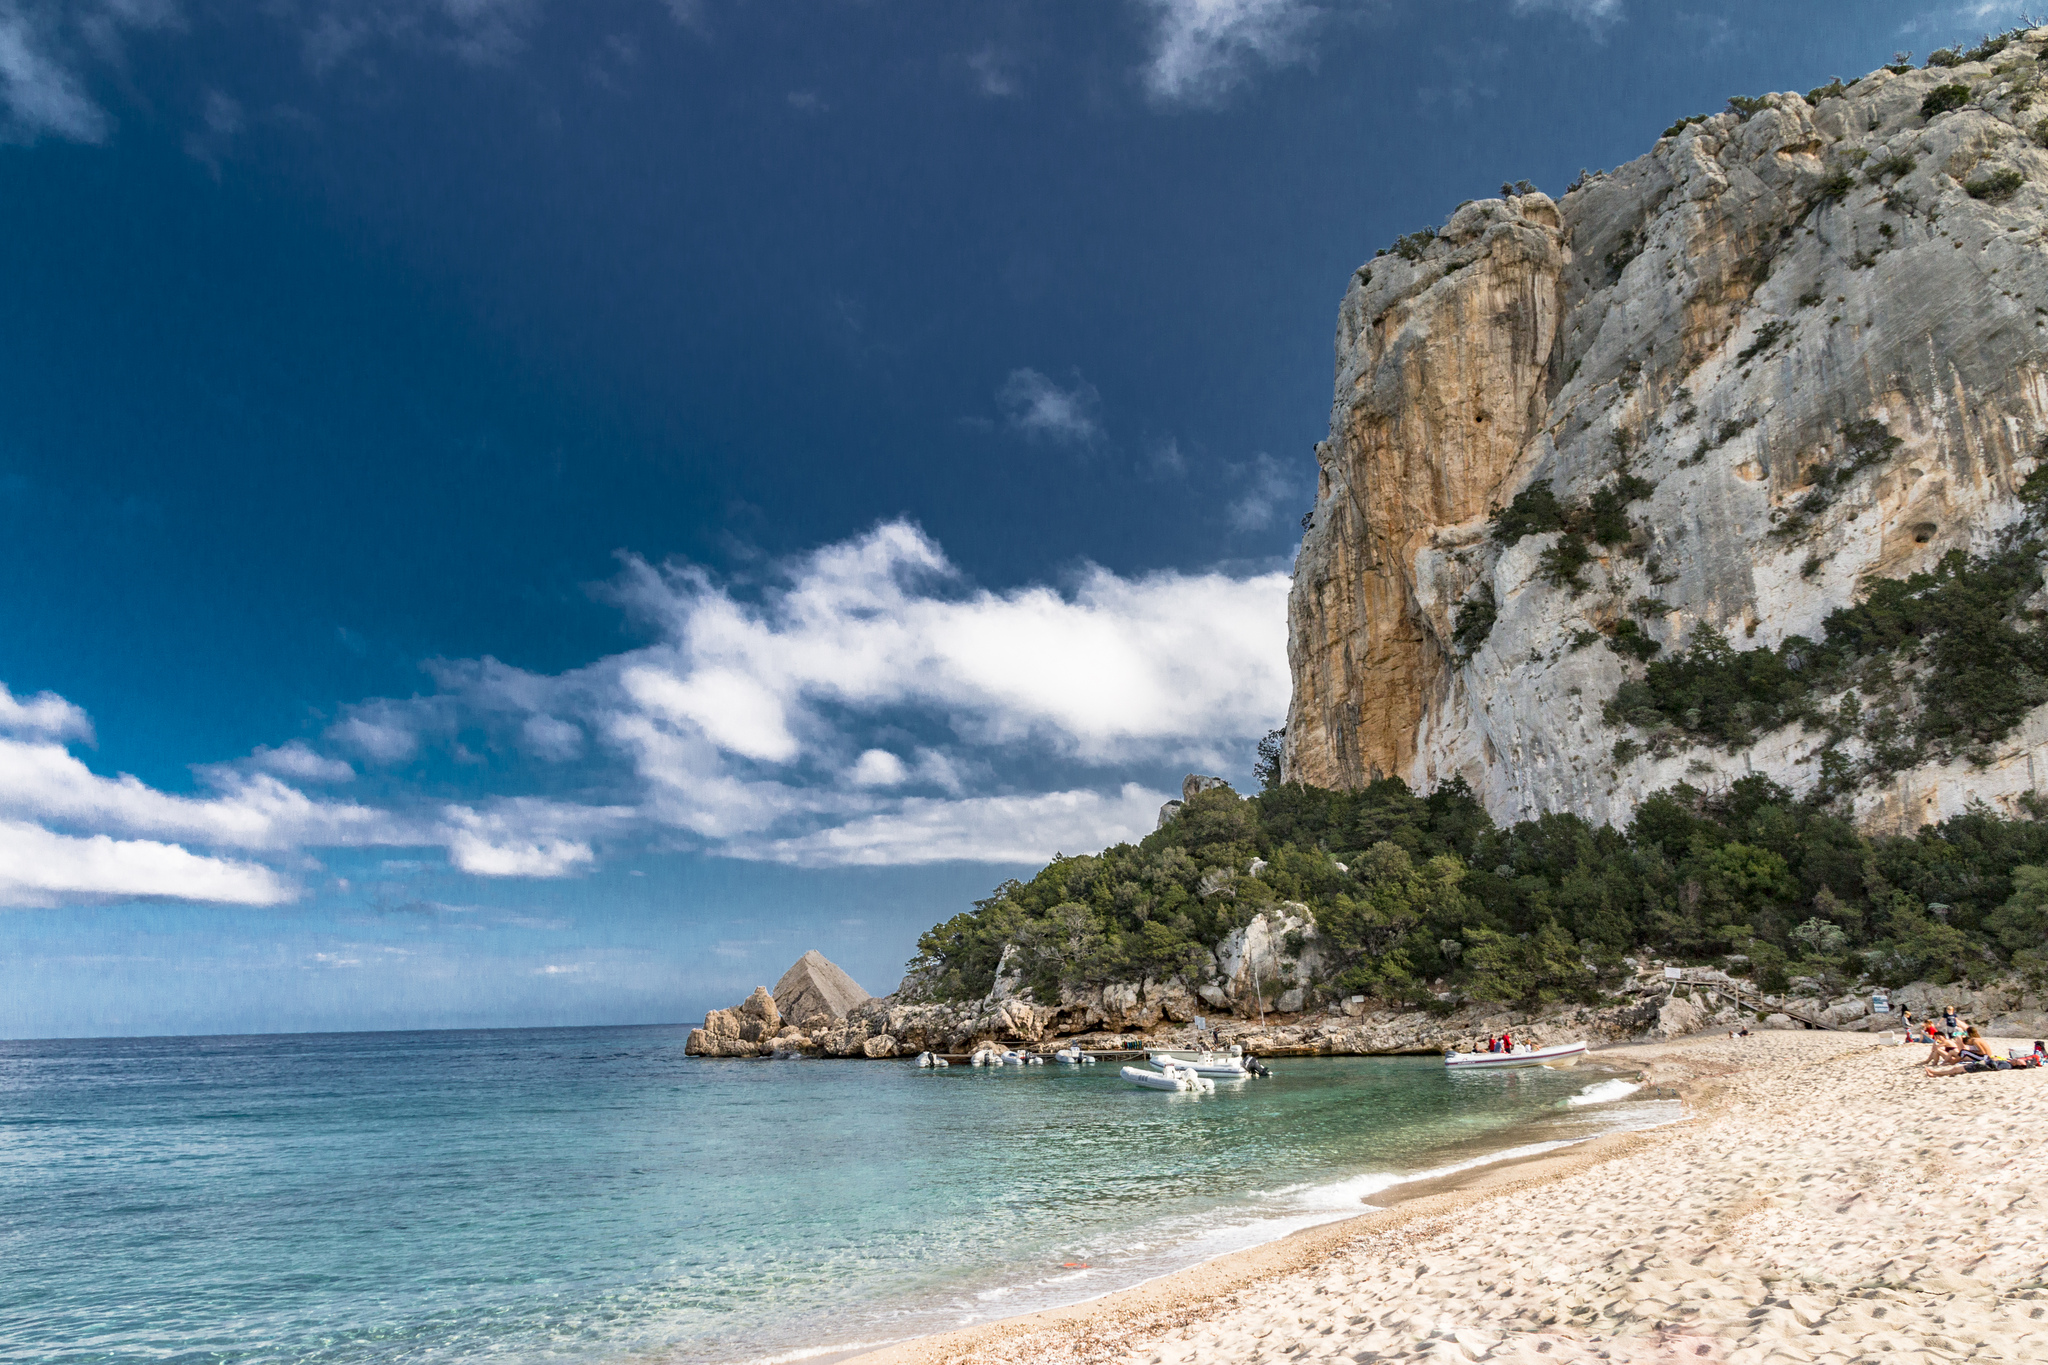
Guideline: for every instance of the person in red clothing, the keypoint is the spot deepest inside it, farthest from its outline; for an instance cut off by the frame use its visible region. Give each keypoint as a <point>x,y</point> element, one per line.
<point>1507,1042</point>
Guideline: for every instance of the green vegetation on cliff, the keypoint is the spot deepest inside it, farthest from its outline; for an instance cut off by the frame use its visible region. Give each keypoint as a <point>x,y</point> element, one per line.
<point>1936,665</point>
<point>1410,891</point>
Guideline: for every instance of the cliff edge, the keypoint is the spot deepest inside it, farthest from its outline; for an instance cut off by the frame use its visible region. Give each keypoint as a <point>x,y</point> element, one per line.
<point>1700,407</point>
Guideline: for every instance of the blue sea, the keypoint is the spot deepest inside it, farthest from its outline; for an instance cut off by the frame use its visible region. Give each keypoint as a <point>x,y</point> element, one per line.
<point>588,1195</point>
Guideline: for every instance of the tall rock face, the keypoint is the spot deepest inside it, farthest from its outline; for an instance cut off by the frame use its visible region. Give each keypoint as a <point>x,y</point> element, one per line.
<point>1815,330</point>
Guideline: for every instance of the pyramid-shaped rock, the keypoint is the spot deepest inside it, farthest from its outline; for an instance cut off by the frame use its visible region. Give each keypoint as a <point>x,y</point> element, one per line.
<point>815,986</point>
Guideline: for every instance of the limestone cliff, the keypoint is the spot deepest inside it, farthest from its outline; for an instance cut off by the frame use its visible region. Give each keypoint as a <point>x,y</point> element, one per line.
<point>1730,319</point>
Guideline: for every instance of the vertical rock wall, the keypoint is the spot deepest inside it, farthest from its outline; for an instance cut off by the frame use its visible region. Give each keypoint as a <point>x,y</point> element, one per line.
<point>1713,316</point>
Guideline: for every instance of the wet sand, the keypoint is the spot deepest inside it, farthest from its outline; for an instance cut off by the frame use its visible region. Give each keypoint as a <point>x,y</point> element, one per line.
<point>1822,1200</point>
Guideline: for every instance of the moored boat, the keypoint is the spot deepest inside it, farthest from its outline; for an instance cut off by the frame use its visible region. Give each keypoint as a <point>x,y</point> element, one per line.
<point>1559,1054</point>
<point>1229,1066</point>
<point>1170,1078</point>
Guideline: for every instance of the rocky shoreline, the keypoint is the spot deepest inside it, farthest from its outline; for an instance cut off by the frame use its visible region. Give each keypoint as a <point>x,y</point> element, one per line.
<point>816,1010</point>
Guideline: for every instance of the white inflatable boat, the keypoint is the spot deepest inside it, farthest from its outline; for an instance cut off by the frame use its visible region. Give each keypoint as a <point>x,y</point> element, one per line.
<point>1171,1077</point>
<point>1228,1066</point>
<point>1559,1054</point>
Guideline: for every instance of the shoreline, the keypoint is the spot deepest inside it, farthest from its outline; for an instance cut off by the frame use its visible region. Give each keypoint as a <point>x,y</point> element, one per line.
<point>1287,1251</point>
<point>1177,1292</point>
<point>1820,1199</point>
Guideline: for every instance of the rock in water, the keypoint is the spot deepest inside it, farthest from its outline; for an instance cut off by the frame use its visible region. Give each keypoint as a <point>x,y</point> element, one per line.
<point>1719,391</point>
<point>815,986</point>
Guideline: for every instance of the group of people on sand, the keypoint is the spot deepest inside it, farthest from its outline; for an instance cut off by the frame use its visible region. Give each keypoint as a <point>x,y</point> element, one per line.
<point>1954,1046</point>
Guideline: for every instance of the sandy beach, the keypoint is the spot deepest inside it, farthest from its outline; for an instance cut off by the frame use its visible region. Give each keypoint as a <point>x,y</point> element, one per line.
<point>1822,1200</point>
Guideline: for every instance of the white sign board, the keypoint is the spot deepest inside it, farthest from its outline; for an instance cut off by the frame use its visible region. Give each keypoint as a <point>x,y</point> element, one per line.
<point>1673,973</point>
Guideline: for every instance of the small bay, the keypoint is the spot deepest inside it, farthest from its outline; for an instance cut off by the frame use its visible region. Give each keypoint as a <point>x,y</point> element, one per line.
<point>584,1195</point>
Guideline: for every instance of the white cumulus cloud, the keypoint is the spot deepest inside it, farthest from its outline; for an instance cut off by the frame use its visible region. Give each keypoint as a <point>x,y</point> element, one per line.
<point>45,714</point>
<point>40,867</point>
<point>861,704</point>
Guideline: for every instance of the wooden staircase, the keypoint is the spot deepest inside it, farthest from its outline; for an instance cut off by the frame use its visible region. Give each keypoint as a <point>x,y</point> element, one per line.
<point>1750,1000</point>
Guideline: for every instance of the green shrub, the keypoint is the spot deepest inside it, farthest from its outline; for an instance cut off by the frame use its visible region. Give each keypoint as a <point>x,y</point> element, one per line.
<point>1943,98</point>
<point>1411,246</point>
<point>1632,642</point>
<point>1944,57</point>
<point>1991,45</point>
<point>1828,91</point>
<point>1534,511</point>
<point>1747,105</point>
<point>1766,337</point>
<point>1986,665</point>
<point>1835,188</point>
<point>1647,607</point>
<point>1602,517</point>
<point>1474,620</point>
<point>1996,186</point>
<point>2034,488</point>
<point>1563,564</point>
<point>1892,167</point>
<point>1675,129</point>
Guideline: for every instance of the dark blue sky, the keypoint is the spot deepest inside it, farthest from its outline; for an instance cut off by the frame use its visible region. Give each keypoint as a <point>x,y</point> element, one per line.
<point>341,340</point>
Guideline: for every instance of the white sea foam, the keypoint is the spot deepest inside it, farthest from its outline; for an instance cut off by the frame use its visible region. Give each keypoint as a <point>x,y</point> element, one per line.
<point>1605,1092</point>
<point>813,1352</point>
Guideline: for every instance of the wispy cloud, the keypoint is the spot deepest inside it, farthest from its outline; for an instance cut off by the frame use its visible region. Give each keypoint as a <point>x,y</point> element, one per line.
<point>1203,49</point>
<point>994,72</point>
<point>1596,15</point>
<point>1040,408</point>
<point>219,122</point>
<point>986,829</point>
<point>43,48</point>
<point>476,32</point>
<point>1263,494</point>
<point>297,762</point>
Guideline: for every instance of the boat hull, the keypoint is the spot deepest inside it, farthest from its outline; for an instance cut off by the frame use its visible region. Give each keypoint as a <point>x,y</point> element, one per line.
<point>1153,1080</point>
<point>1217,1065</point>
<point>1563,1055</point>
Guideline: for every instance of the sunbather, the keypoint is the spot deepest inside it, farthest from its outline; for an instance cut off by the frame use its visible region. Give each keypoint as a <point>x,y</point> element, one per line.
<point>1971,1055</point>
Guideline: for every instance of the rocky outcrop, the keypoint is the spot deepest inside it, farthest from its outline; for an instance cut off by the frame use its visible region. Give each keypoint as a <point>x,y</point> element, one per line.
<point>1720,318</point>
<point>816,988</point>
<point>1160,1013</point>
<point>747,1030</point>
<point>1191,786</point>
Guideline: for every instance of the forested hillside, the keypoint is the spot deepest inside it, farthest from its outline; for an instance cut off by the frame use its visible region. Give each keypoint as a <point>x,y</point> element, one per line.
<point>1417,896</point>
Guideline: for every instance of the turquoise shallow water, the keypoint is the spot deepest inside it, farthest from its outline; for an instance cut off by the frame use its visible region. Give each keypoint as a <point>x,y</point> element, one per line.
<point>585,1195</point>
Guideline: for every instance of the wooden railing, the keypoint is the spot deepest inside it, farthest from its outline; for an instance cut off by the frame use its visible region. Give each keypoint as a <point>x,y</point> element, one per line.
<point>1749,999</point>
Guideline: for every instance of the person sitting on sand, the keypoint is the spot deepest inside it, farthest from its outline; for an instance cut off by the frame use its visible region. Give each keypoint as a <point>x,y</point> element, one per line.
<point>1972,1055</point>
<point>1940,1051</point>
